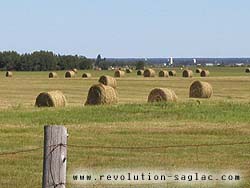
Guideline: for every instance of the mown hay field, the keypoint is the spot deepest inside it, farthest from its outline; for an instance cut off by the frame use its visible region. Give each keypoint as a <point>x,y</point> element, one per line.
<point>222,119</point>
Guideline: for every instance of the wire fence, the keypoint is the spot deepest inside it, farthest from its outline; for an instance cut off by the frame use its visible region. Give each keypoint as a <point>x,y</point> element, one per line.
<point>135,148</point>
<point>127,148</point>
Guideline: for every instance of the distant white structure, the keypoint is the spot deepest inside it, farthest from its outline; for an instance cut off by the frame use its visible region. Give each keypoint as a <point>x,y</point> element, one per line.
<point>239,64</point>
<point>171,61</point>
<point>209,64</point>
<point>195,61</point>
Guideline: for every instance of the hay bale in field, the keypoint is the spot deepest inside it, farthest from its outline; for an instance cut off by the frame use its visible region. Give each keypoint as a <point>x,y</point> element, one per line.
<point>9,74</point>
<point>86,75</point>
<point>129,70</point>
<point>69,74</point>
<point>51,99</point>
<point>200,89</point>
<point>163,73</point>
<point>172,73</point>
<point>119,73</point>
<point>97,68</point>
<point>75,70</point>
<point>187,73</point>
<point>108,81</point>
<point>140,72</point>
<point>101,94</point>
<point>247,70</point>
<point>198,70</point>
<point>149,73</point>
<point>162,95</point>
<point>205,73</point>
<point>52,75</point>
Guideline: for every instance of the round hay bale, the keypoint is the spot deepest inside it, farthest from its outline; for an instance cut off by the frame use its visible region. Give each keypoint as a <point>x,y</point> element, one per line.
<point>198,70</point>
<point>101,94</point>
<point>108,81</point>
<point>200,89</point>
<point>187,74</point>
<point>140,72</point>
<point>162,95</point>
<point>247,70</point>
<point>86,75</point>
<point>129,70</point>
<point>97,68</point>
<point>163,73</point>
<point>122,69</point>
<point>119,73</point>
<point>75,70</point>
<point>149,73</point>
<point>172,73</point>
<point>9,74</point>
<point>51,99</point>
<point>52,75</point>
<point>205,73</point>
<point>69,74</point>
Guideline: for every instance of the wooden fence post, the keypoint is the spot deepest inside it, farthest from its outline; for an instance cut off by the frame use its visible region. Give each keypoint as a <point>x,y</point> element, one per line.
<point>55,157</point>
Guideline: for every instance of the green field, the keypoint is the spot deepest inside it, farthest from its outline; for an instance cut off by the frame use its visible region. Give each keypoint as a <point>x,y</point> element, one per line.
<point>132,123</point>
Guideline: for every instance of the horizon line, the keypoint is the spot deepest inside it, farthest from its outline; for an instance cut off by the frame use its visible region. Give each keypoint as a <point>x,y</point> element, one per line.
<point>126,57</point>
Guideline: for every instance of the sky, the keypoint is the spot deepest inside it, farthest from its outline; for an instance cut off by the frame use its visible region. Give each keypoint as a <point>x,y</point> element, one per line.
<point>127,28</point>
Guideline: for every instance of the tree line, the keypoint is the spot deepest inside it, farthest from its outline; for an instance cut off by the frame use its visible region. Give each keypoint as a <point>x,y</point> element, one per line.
<point>105,64</point>
<point>42,61</point>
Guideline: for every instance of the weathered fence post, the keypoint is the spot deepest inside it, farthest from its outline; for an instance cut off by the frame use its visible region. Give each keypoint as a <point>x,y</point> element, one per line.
<point>55,157</point>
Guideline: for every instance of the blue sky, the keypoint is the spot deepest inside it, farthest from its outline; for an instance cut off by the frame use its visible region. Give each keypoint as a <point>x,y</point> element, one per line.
<point>127,28</point>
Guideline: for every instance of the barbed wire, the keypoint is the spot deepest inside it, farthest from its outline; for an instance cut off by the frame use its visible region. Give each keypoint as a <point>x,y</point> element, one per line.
<point>54,147</point>
<point>127,147</point>
<point>158,147</point>
<point>20,151</point>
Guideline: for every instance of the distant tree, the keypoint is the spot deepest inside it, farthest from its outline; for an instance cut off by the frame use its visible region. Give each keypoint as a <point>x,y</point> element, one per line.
<point>8,60</point>
<point>104,65</point>
<point>140,65</point>
<point>43,61</point>
<point>48,61</point>
<point>67,62</point>
<point>85,63</point>
<point>98,60</point>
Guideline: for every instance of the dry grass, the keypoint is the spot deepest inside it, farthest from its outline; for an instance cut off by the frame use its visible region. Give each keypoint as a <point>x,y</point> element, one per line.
<point>224,118</point>
<point>173,125</point>
<point>24,87</point>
